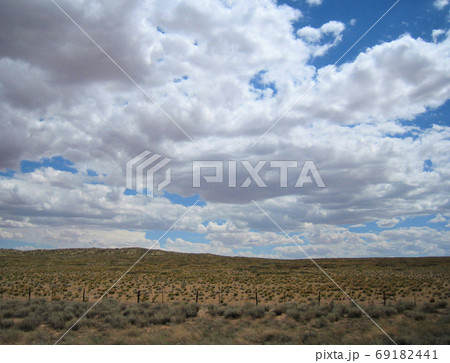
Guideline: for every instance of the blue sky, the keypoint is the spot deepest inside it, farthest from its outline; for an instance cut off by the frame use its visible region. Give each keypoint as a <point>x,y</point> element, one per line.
<point>376,127</point>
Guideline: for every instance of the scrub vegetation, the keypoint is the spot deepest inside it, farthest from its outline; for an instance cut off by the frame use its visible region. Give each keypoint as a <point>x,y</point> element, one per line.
<point>208,299</point>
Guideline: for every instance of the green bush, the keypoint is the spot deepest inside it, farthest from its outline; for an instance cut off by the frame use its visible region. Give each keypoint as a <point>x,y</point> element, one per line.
<point>10,336</point>
<point>429,308</point>
<point>354,313</point>
<point>293,313</point>
<point>215,310</point>
<point>255,312</point>
<point>416,315</point>
<point>6,323</point>
<point>57,320</point>
<point>160,318</point>
<point>276,338</point>
<point>402,306</point>
<point>191,310</point>
<point>29,323</point>
<point>232,313</point>
<point>116,321</point>
<point>278,310</point>
<point>320,323</point>
<point>332,317</point>
<point>340,310</point>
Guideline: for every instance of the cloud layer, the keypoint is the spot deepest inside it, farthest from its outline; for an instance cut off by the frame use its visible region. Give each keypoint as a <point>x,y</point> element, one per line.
<point>224,71</point>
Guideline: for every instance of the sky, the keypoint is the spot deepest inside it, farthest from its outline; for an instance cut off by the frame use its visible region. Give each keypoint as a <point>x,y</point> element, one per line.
<point>245,82</point>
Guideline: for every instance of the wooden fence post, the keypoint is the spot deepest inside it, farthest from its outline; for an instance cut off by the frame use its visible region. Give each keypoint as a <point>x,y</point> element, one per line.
<point>29,294</point>
<point>196,297</point>
<point>84,294</point>
<point>220,298</point>
<point>319,298</point>
<point>384,298</point>
<point>162,296</point>
<point>256,298</point>
<point>138,296</point>
<point>415,298</point>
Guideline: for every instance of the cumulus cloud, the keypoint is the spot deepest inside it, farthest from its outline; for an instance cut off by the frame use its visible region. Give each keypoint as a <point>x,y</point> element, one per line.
<point>61,96</point>
<point>315,35</point>
<point>315,2</point>
<point>440,4</point>
<point>436,33</point>
<point>438,219</point>
<point>181,245</point>
<point>387,223</point>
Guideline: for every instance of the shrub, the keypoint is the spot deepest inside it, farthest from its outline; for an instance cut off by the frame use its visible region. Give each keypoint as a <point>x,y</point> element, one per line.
<point>310,337</point>
<point>278,310</point>
<point>340,310</point>
<point>29,323</point>
<point>389,311</point>
<point>160,318</point>
<point>6,323</point>
<point>116,321</point>
<point>402,306</point>
<point>416,315</point>
<point>214,310</point>
<point>429,308</point>
<point>276,338</point>
<point>191,310</point>
<point>21,312</point>
<point>293,313</point>
<point>255,312</point>
<point>232,313</point>
<point>10,336</point>
<point>320,323</point>
<point>374,311</point>
<point>354,313</point>
<point>332,317</point>
<point>136,319</point>
<point>56,320</point>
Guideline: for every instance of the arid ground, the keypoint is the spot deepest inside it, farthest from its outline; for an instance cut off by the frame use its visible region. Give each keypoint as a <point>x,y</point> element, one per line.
<point>208,299</point>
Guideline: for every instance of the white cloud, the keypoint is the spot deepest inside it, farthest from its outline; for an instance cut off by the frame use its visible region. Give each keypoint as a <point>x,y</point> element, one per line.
<point>438,219</point>
<point>440,4</point>
<point>436,34</point>
<point>387,223</point>
<point>315,2</point>
<point>408,242</point>
<point>351,124</point>
<point>25,248</point>
<point>181,245</point>
<point>315,35</point>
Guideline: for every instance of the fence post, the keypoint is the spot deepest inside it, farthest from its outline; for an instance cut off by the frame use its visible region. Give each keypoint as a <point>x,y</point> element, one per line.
<point>256,298</point>
<point>162,296</point>
<point>415,298</point>
<point>138,296</point>
<point>196,297</point>
<point>84,294</point>
<point>220,299</point>
<point>319,298</point>
<point>384,298</point>
<point>29,294</point>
